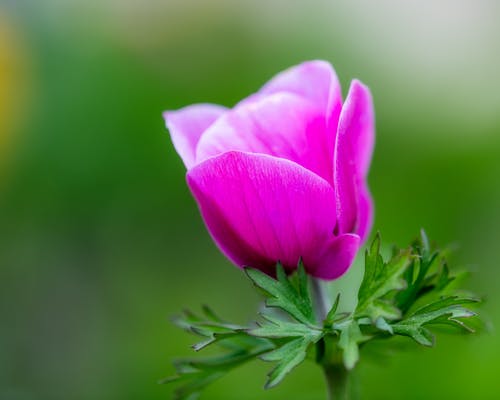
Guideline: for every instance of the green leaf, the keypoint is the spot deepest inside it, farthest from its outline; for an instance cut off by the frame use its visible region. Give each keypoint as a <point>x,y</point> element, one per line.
<point>449,310</point>
<point>210,314</point>
<point>288,354</point>
<point>444,278</point>
<point>290,294</point>
<point>211,328</point>
<point>302,281</point>
<point>281,293</point>
<point>277,328</point>
<point>421,274</point>
<point>193,384</point>
<point>195,374</point>
<point>380,279</point>
<point>350,338</point>
<point>417,332</point>
<point>381,308</point>
<point>332,316</point>
<point>390,302</point>
<point>215,337</point>
<point>392,294</point>
<point>382,325</point>
<point>428,277</point>
<point>287,357</point>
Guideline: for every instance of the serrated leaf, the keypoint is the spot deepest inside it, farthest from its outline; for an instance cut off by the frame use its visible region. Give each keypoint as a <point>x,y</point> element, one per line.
<point>186,320</point>
<point>381,278</point>
<point>196,373</point>
<point>444,278</point>
<point>273,327</point>
<point>331,317</point>
<point>432,278</point>
<point>445,302</point>
<point>424,244</point>
<point>282,294</point>
<point>383,308</point>
<point>449,310</point>
<point>214,338</point>
<point>211,315</point>
<point>210,328</point>
<point>421,280</point>
<point>389,303</point>
<point>213,329</point>
<point>287,357</point>
<point>303,281</point>
<point>289,354</point>
<point>418,333</point>
<point>382,325</point>
<point>350,338</point>
<point>193,387</point>
<point>202,327</point>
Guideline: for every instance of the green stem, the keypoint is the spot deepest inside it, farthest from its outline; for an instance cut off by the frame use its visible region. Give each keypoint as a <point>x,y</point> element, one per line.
<point>337,382</point>
<point>335,373</point>
<point>321,299</point>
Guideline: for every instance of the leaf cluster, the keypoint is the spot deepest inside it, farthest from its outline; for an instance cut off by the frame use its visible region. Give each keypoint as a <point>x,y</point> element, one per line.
<point>237,347</point>
<point>406,295</point>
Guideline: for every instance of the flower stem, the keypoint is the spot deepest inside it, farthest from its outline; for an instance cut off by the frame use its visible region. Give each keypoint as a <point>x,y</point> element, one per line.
<point>321,299</point>
<point>335,373</point>
<point>336,381</point>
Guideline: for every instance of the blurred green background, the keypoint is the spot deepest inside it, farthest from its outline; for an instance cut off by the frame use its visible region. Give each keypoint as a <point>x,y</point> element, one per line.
<point>100,240</point>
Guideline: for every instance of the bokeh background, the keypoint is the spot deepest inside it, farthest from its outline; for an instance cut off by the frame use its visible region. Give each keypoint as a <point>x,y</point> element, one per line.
<point>100,240</point>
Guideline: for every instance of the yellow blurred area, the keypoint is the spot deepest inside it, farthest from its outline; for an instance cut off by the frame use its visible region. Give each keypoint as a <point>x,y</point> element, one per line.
<point>11,82</point>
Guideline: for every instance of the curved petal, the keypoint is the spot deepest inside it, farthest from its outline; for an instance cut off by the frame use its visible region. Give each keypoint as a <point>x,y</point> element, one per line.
<point>186,126</point>
<point>314,80</point>
<point>282,124</point>
<point>337,257</point>
<point>353,151</point>
<point>261,209</point>
<point>365,213</point>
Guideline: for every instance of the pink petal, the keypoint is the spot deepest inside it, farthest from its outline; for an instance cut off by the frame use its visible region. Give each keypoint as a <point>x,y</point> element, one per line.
<point>282,124</point>
<point>186,126</point>
<point>353,151</point>
<point>337,257</point>
<point>313,80</point>
<point>261,209</point>
<point>365,212</point>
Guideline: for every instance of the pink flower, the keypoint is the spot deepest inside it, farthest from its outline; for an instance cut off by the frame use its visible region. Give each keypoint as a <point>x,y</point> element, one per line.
<point>282,175</point>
